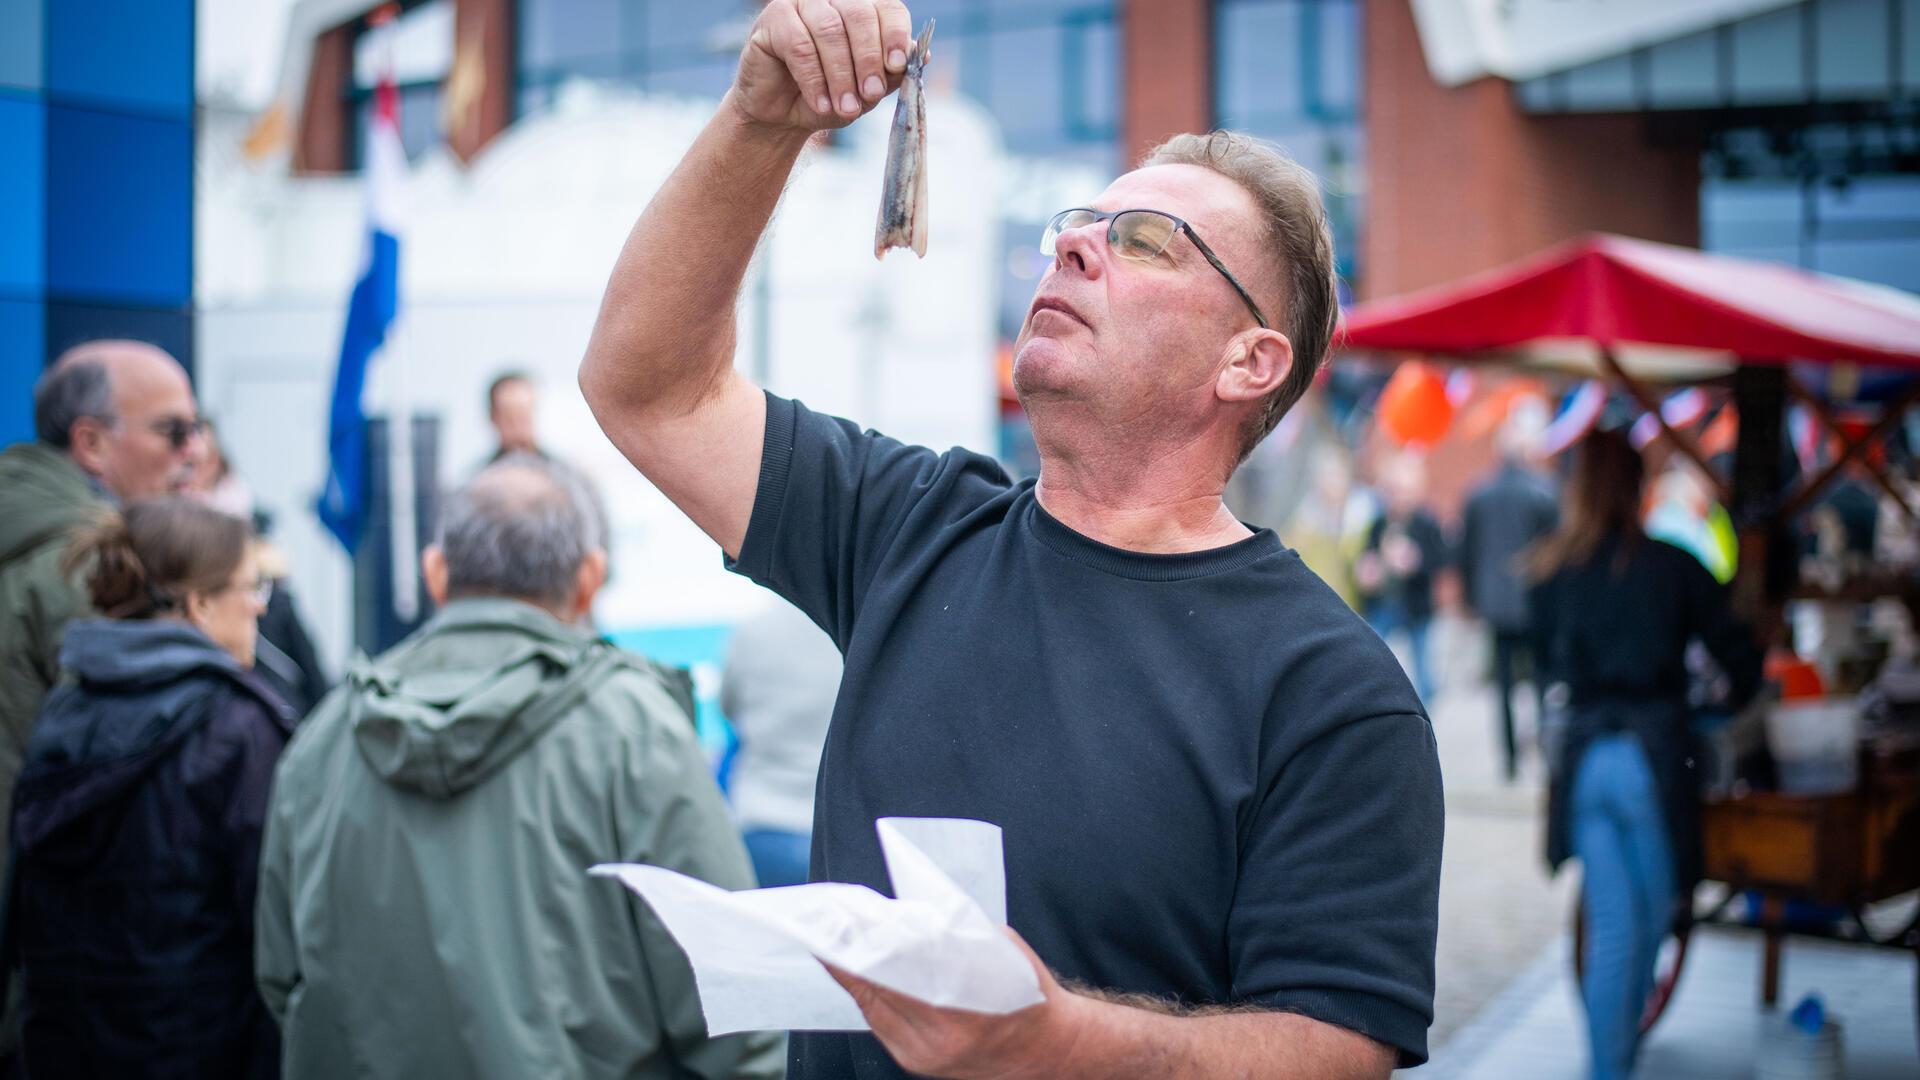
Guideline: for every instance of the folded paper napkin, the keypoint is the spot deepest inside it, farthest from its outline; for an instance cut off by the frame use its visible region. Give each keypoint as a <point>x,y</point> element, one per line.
<point>756,954</point>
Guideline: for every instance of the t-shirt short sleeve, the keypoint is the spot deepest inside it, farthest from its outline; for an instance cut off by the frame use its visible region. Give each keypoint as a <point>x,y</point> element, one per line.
<point>833,501</point>
<point>1338,900</point>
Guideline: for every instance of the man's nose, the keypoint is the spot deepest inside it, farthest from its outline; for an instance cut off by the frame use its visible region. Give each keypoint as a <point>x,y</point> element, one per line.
<point>1080,248</point>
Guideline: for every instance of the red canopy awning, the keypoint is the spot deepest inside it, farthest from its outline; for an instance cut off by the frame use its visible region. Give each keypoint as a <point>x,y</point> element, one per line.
<point>1663,310</point>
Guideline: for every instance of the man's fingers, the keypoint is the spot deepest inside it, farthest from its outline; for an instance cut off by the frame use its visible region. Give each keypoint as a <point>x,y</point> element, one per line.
<point>829,32</point>
<point>863,42</point>
<point>793,46</point>
<point>896,33</point>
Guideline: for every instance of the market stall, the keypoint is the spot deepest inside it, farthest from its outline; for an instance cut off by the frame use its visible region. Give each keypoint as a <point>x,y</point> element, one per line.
<point>1795,850</point>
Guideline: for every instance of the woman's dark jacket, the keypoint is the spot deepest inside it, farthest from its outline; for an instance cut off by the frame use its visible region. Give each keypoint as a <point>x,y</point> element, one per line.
<point>136,838</point>
<point>1615,631</point>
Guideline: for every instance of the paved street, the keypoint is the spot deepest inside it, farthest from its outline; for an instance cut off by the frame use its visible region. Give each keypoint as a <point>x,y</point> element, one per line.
<point>1498,909</point>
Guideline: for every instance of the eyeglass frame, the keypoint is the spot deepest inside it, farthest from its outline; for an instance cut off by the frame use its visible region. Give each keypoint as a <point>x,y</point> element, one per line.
<point>1180,226</point>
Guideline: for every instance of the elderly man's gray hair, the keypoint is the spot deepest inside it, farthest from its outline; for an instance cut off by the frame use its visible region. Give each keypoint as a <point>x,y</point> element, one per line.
<point>520,528</point>
<point>66,392</point>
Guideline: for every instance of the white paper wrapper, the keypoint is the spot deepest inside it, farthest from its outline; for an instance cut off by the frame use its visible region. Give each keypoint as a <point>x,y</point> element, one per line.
<point>940,939</point>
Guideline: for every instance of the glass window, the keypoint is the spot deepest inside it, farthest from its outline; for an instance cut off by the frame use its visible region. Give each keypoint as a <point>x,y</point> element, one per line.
<point>419,120</point>
<point>1024,91</point>
<point>559,33</point>
<point>1259,79</point>
<point>682,29</point>
<point>1340,39</point>
<point>709,79</point>
<point>1093,73</point>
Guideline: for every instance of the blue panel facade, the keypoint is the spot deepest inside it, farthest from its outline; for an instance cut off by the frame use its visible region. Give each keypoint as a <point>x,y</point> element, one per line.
<point>21,63</point>
<point>96,190</point>
<point>132,56</point>
<point>23,191</point>
<point>119,207</point>
<point>22,352</point>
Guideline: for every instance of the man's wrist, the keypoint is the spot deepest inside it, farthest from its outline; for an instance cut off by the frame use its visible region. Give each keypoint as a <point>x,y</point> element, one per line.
<point>784,138</point>
<point>1086,1038</point>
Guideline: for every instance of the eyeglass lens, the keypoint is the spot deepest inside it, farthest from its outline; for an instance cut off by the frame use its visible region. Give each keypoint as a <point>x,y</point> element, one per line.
<point>1135,234</point>
<point>178,431</point>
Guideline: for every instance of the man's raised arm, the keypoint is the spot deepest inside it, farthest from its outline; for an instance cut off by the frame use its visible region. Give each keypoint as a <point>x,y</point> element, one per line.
<point>658,372</point>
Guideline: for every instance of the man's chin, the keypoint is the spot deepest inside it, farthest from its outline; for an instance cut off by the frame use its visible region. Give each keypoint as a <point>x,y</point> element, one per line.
<point>1042,366</point>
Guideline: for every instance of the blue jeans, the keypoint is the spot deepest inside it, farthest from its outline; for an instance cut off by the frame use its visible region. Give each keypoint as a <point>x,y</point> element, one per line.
<point>779,858</point>
<point>1390,617</point>
<point>1620,837</point>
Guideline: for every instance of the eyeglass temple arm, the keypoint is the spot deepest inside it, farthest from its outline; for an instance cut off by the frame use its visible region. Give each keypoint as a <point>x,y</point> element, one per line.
<point>1228,274</point>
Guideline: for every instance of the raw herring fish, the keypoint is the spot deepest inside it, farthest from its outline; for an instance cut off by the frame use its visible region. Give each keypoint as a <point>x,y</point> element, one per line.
<point>903,195</point>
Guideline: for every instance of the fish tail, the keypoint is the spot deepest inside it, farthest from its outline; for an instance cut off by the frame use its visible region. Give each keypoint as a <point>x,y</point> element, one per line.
<point>917,56</point>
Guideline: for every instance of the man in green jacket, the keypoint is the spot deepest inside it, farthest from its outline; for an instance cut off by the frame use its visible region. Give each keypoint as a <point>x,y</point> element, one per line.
<point>424,903</point>
<point>113,420</point>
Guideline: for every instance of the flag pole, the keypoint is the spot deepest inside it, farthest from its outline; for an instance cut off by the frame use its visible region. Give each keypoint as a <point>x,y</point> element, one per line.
<point>404,535</point>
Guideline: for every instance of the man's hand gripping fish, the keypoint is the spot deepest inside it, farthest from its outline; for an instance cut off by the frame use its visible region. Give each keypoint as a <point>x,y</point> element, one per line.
<point>903,195</point>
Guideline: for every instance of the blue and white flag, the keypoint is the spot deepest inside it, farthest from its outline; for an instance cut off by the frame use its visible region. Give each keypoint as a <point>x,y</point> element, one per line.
<point>370,313</point>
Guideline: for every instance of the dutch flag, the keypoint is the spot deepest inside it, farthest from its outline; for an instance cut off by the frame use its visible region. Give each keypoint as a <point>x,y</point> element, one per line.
<point>370,314</point>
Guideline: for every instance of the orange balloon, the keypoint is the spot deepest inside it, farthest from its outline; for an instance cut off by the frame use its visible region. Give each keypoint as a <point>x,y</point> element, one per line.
<point>1413,407</point>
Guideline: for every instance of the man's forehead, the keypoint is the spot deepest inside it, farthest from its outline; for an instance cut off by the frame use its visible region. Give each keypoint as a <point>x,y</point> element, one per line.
<point>1201,196</point>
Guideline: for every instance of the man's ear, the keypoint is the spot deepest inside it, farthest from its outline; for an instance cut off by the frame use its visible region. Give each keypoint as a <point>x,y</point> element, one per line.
<point>587,582</point>
<point>433,571</point>
<point>87,445</point>
<point>1258,362</point>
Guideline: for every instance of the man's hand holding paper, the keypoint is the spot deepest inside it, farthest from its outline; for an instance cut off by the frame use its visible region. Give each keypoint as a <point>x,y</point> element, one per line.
<point>757,954</point>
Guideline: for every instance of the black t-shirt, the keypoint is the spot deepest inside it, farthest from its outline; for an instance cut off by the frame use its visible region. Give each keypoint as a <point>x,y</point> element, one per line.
<point>1214,781</point>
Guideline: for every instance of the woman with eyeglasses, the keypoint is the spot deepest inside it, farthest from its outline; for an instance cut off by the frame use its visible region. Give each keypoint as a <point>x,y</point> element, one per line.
<point>137,819</point>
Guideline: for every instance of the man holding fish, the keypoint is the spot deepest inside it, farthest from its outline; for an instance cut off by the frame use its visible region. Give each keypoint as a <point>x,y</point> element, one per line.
<point>1220,797</point>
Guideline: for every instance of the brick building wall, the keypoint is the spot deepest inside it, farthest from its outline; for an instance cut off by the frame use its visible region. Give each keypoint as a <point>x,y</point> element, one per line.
<point>1461,179</point>
<point>1167,78</point>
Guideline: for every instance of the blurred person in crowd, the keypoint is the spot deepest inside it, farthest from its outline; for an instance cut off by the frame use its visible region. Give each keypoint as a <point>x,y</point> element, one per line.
<point>217,483</point>
<point>1404,551</point>
<point>1329,528</point>
<point>1682,511</point>
<point>113,420</point>
<point>136,823</point>
<point>284,655</point>
<point>781,678</point>
<point>510,410</point>
<point>1613,611</point>
<point>424,907</point>
<point>1503,517</point>
<point>1215,784</point>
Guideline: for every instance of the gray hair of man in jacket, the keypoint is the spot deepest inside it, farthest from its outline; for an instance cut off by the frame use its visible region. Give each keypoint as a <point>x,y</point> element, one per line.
<point>520,530</point>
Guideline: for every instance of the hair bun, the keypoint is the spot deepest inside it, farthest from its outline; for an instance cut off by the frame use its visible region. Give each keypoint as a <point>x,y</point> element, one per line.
<point>117,581</point>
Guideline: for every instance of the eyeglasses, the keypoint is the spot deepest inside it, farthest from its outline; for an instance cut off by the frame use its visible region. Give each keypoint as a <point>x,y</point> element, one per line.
<point>1142,236</point>
<point>179,430</point>
<point>259,590</point>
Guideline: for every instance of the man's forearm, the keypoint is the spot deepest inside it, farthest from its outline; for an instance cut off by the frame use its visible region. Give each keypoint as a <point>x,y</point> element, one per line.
<point>665,333</point>
<point>1115,1038</point>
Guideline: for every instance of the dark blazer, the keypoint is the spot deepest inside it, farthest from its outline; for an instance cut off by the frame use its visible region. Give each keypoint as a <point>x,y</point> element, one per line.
<point>1503,518</point>
<point>136,838</point>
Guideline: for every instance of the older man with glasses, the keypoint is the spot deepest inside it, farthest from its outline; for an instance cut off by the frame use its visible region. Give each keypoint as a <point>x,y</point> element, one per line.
<point>1221,798</point>
<point>113,421</point>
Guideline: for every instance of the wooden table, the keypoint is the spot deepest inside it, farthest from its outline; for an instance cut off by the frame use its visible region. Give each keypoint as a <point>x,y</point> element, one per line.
<point>1848,850</point>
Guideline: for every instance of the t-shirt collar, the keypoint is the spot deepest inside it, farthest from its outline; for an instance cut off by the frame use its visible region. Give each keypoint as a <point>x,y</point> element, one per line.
<point>1147,566</point>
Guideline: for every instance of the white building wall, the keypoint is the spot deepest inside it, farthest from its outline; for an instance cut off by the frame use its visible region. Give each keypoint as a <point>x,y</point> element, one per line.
<point>503,264</point>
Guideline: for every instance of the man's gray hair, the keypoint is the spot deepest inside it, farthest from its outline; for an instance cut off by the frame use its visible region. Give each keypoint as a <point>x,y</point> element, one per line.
<point>1299,242</point>
<point>66,392</point>
<point>520,528</point>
